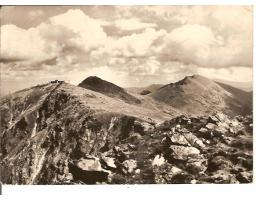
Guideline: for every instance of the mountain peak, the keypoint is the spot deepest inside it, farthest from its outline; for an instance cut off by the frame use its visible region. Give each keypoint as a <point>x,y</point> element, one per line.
<point>97,84</point>
<point>198,95</point>
<point>196,77</point>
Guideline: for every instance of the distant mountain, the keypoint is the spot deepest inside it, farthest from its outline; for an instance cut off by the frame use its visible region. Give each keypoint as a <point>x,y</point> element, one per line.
<point>199,95</point>
<point>99,85</point>
<point>246,86</point>
<point>150,88</point>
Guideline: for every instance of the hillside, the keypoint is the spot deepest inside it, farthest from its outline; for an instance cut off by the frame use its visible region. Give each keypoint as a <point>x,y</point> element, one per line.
<point>198,95</point>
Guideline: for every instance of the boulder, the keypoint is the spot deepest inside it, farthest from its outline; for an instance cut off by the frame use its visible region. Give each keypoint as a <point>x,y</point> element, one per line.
<point>130,165</point>
<point>210,126</point>
<point>196,166</point>
<point>245,177</point>
<point>142,127</point>
<point>223,177</point>
<point>88,170</point>
<point>194,141</point>
<point>158,160</point>
<point>205,133</point>
<point>165,173</point>
<point>110,162</point>
<point>89,163</point>
<point>179,139</point>
<point>175,171</point>
<point>218,163</point>
<point>221,117</point>
<point>213,119</point>
<point>183,153</point>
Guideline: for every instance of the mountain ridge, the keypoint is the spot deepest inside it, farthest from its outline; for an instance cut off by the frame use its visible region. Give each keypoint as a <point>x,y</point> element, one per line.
<point>197,94</point>
<point>58,133</point>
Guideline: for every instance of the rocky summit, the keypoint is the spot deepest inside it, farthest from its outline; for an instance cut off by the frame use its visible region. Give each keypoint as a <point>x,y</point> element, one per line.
<point>192,131</point>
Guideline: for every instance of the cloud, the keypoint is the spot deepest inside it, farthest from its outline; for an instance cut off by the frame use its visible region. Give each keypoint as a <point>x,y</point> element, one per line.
<point>133,45</point>
<point>132,24</point>
<point>199,45</point>
<point>22,44</point>
<point>35,13</point>
<point>88,31</point>
<point>61,36</point>
<point>234,73</point>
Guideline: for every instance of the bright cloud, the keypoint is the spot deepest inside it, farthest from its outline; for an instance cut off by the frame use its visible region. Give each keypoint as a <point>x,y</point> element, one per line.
<point>133,45</point>
<point>20,44</point>
<point>132,24</point>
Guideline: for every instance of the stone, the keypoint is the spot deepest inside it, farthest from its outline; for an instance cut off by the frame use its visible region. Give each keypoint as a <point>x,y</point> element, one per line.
<point>193,181</point>
<point>221,129</point>
<point>182,152</point>
<point>194,141</point>
<point>142,127</point>
<point>165,173</point>
<point>173,129</point>
<point>89,163</point>
<point>182,178</point>
<point>245,177</point>
<point>196,166</point>
<point>179,139</point>
<point>110,162</point>
<point>203,130</point>
<point>68,177</point>
<point>183,120</point>
<point>130,165</point>
<point>224,177</point>
<point>210,126</point>
<point>205,133</point>
<point>158,160</point>
<point>213,119</point>
<point>221,117</point>
<point>218,163</point>
<point>175,171</point>
<point>88,170</point>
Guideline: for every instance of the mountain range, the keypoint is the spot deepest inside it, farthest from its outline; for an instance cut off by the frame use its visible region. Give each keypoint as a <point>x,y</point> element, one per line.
<point>98,132</point>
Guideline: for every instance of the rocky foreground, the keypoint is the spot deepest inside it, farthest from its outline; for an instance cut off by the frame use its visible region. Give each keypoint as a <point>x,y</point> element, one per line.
<point>62,134</point>
<point>210,149</point>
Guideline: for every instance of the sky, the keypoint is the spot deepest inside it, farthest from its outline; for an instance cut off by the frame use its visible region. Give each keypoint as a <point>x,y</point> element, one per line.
<point>131,46</point>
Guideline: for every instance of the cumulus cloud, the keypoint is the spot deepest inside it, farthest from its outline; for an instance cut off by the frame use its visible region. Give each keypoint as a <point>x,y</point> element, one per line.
<point>199,45</point>
<point>17,43</point>
<point>61,36</point>
<point>132,24</point>
<point>88,31</point>
<point>133,45</point>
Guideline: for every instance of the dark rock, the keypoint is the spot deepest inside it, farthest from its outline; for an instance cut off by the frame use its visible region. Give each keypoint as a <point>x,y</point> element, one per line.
<point>218,163</point>
<point>245,177</point>
<point>145,92</point>
<point>87,176</point>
